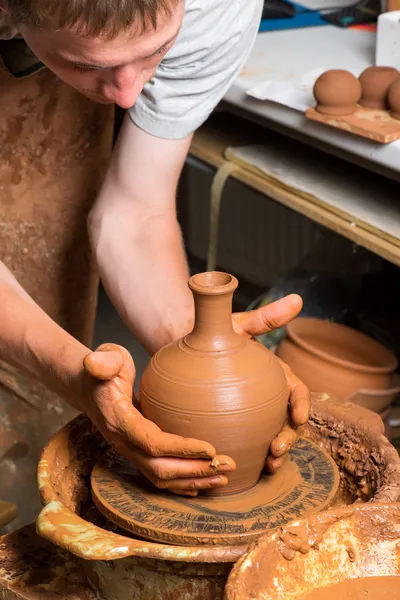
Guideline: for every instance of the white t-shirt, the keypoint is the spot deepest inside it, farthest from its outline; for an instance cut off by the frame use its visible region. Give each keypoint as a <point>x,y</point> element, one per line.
<point>212,46</point>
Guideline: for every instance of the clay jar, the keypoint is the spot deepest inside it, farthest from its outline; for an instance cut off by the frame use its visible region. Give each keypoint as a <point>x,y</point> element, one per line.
<point>217,386</point>
<point>329,357</point>
<point>394,99</point>
<point>375,84</point>
<point>337,93</point>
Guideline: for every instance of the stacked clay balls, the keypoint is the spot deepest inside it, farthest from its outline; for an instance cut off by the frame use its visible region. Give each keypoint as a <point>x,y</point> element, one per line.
<point>338,92</point>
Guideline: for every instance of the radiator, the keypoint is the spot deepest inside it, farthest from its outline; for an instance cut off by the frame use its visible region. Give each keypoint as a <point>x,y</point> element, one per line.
<point>259,239</point>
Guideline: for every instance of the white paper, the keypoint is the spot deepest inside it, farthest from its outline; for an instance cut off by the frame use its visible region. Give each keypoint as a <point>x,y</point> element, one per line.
<point>296,93</point>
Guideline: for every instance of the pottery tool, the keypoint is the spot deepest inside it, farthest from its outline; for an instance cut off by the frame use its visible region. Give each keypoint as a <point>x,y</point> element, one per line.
<point>307,483</point>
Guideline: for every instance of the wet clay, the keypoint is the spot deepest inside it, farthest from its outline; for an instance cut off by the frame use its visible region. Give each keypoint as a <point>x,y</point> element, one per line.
<point>363,588</point>
<point>375,83</point>
<point>337,92</point>
<point>312,554</point>
<point>334,358</point>
<point>394,99</point>
<point>218,386</point>
<point>307,482</point>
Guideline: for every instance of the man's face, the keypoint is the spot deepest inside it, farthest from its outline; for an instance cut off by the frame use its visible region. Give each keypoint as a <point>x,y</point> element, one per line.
<point>107,71</point>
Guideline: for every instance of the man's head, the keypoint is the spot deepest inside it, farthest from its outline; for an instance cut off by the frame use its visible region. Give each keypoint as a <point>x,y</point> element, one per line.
<point>107,49</point>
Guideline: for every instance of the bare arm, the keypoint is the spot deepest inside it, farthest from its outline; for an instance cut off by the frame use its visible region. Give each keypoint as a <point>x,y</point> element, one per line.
<point>31,340</point>
<point>100,384</point>
<point>137,240</point>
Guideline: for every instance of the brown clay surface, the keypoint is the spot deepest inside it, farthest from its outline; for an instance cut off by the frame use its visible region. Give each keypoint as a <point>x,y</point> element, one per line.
<point>306,483</point>
<point>337,92</point>
<point>375,83</point>
<point>218,386</point>
<point>376,125</point>
<point>394,99</point>
<point>363,588</point>
<point>314,553</point>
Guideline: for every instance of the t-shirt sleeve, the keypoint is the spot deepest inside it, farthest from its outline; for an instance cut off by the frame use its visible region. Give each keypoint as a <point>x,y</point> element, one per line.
<point>213,44</point>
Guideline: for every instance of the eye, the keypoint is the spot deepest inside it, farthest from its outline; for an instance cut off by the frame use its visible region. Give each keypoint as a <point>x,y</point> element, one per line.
<point>162,50</point>
<point>82,69</point>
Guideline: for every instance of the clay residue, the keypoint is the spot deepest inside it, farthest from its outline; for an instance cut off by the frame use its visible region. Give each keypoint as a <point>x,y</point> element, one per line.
<point>353,436</point>
<point>373,588</point>
<point>39,570</point>
<point>339,544</point>
<point>308,533</point>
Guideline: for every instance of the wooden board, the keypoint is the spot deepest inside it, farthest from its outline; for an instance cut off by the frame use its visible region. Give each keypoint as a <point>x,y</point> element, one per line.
<point>376,125</point>
<point>307,483</point>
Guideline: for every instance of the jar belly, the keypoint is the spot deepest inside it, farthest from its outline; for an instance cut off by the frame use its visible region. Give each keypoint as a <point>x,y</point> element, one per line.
<point>244,435</point>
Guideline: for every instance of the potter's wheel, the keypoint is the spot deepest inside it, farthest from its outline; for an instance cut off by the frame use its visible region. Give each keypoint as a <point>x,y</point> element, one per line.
<point>307,483</point>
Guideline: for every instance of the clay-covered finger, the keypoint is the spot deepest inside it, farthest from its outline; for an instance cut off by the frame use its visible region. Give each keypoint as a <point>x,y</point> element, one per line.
<point>299,398</point>
<point>194,483</point>
<point>168,468</point>
<point>190,493</point>
<point>149,438</point>
<point>273,464</point>
<point>103,365</point>
<point>300,404</point>
<point>283,442</point>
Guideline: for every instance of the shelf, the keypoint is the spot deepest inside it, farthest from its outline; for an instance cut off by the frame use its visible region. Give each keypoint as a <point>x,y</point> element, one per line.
<point>369,215</point>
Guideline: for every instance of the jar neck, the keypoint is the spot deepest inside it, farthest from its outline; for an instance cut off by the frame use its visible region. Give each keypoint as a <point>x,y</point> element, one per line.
<point>213,330</point>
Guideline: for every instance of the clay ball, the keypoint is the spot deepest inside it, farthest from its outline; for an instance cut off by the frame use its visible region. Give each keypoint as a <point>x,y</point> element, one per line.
<point>337,93</point>
<point>375,84</point>
<point>394,99</point>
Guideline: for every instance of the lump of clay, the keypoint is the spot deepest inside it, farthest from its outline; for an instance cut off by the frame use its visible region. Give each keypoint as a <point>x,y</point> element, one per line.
<point>218,386</point>
<point>375,84</point>
<point>337,92</point>
<point>394,99</point>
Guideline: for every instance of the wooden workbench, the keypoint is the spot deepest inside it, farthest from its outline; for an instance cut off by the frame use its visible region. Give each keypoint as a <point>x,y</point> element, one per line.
<point>223,131</point>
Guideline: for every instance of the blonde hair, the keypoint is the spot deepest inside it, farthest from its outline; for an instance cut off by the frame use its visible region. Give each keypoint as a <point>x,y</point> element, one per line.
<point>105,18</point>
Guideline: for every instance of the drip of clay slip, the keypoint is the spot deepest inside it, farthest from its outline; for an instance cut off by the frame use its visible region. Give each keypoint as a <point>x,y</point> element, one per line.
<point>218,386</point>
<point>337,93</point>
<point>394,99</point>
<point>372,588</point>
<point>375,84</point>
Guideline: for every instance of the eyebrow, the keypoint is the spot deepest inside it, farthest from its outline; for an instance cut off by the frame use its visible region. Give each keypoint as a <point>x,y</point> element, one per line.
<point>80,63</point>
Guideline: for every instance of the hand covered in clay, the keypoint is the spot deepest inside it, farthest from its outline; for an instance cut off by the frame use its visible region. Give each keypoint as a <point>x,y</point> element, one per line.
<point>256,322</point>
<point>168,461</point>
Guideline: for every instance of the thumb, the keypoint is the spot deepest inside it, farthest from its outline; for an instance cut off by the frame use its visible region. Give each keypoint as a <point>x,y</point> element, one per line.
<point>103,364</point>
<point>269,317</point>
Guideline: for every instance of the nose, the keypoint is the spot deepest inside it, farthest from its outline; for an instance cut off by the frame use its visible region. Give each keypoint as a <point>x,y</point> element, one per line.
<point>125,86</point>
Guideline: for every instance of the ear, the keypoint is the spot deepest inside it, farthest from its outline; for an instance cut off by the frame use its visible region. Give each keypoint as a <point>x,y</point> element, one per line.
<point>4,9</point>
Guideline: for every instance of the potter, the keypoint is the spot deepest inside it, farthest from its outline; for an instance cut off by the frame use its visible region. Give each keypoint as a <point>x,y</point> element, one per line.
<point>112,54</point>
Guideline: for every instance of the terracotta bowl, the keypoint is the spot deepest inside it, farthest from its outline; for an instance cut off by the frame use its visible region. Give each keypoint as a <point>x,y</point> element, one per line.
<point>334,358</point>
<point>337,92</point>
<point>375,83</point>
<point>307,555</point>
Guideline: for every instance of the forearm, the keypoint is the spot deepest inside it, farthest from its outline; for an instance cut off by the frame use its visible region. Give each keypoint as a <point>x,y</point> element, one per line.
<point>143,267</point>
<point>31,340</point>
<point>136,238</point>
